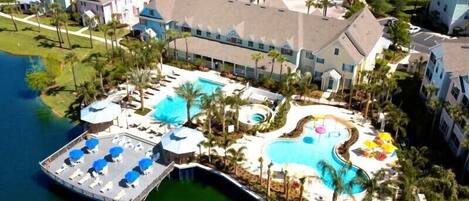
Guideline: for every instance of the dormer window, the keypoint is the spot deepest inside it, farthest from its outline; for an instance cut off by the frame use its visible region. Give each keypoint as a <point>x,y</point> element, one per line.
<point>286,51</point>
<point>198,32</point>
<point>186,29</point>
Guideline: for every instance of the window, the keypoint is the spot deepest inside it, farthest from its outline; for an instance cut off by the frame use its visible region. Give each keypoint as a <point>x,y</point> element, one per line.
<point>97,7</point>
<point>317,75</point>
<point>454,139</point>
<point>208,34</point>
<point>285,51</point>
<point>445,8</point>
<point>438,3</point>
<point>432,58</point>
<point>336,51</point>
<point>309,55</point>
<point>347,68</point>
<point>320,60</point>
<point>218,37</point>
<point>261,46</point>
<point>455,92</point>
<point>348,82</point>
<point>235,40</point>
<point>250,43</point>
<point>186,29</point>
<point>443,127</point>
<point>437,69</point>
<point>271,47</point>
<point>465,102</point>
<point>429,73</point>
<point>198,32</point>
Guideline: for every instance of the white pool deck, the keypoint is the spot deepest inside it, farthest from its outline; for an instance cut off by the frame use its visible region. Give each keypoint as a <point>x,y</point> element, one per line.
<point>255,144</point>
<point>314,187</point>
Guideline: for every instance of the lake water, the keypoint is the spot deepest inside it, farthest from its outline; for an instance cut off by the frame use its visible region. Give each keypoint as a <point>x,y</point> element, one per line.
<point>30,132</point>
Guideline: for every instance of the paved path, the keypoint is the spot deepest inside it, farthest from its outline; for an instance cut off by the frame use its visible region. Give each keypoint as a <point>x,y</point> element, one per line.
<point>52,28</point>
<point>29,17</point>
<point>82,30</point>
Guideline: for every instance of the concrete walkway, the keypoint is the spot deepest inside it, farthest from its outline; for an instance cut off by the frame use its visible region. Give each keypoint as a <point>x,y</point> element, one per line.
<point>29,17</point>
<point>48,27</point>
<point>82,30</point>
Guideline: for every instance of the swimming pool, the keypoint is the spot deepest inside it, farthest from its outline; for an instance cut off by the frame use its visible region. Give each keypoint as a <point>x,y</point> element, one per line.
<point>172,109</point>
<point>311,147</point>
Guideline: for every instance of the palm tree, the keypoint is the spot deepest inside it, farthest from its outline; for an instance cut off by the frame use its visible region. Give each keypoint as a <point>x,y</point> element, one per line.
<point>236,156</point>
<point>227,142</point>
<point>190,93</point>
<point>89,21</point>
<point>375,187</point>
<point>173,35</point>
<point>309,3</point>
<point>274,55</point>
<point>302,187</point>
<point>186,35</point>
<point>256,57</point>
<point>436,105</point>
<point>221,113</point>
<point>456,112</point>
<point>209,108</point>
<point>63,18</point>
<point>35,8</point>
<point>72,58</point>
<point>324,4</point>
<point>431,89</point>
<point>210,143</point>
<point>87,92</point>
<point>281,59</point>
<point>269,175</point>
<point>104,28</point>
<point>140,78</point>
<point>399,120</point>
<point>114,22</point>
<point>261,163</point>
<point>55,8</point>
<point>235,101</point>
<point>338,178</point>
<point>98,62</point>
<point>304,84</point>
<point>286,183</point>
<point>10,10</point>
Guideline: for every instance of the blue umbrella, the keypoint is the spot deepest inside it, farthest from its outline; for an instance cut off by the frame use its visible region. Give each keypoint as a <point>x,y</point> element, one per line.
<point>145,163</point>
<point>92,143</point>
<point>131,176</point>
<point>76,154</point>
<point>116,151</point>
<point>99,165</point>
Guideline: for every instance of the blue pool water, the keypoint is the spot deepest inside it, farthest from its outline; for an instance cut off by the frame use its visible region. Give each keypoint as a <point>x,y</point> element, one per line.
<point>172,109</point>
<point>311,148</point>
<point>257,118</point>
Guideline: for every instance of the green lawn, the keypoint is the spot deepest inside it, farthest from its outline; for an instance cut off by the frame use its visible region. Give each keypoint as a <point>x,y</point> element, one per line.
<point>72,25</point>
<point>120,33</point>
<point>28,41</point>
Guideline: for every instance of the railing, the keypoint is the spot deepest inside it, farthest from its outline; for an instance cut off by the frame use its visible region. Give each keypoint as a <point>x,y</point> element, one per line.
<point>155,182</point>
<point>63,149</point>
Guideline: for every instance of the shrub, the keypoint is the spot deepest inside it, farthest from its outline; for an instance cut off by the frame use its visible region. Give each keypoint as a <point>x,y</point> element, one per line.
<point>38,80</point>
<point>280,118</point>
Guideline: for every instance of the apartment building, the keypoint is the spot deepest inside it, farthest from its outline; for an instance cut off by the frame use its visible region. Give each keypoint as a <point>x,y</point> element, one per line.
<point>453,13</point>
<point>125,11</point>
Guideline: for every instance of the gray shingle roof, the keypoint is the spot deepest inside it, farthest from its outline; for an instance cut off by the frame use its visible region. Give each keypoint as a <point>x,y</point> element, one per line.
<point>456,56</point>
<point>272,25</point>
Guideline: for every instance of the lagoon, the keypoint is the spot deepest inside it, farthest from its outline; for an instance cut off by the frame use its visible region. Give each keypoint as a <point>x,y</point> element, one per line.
<point>31,132</point>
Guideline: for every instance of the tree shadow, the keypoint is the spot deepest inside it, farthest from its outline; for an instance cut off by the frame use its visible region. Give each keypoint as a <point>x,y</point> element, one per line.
<point>27,29</point>
<point>58,190</point>
<point>44,41</point>
<point>2,29</point>
<point>73,110</point>
<point>55,90</point>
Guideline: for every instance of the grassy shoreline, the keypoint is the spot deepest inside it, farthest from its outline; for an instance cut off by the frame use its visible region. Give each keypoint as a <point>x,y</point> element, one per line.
<point>29,42</point>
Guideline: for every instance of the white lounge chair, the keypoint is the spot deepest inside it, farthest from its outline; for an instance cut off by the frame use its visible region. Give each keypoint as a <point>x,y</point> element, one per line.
<point>149,153</point>
<point>75,174</point>
<point>120,195</point>
<point>138,147</point>
<point>106,187</point>
<point>61,169</point>
<point>84,178</point>
<point>115,139</point>
<point>96,182</point>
